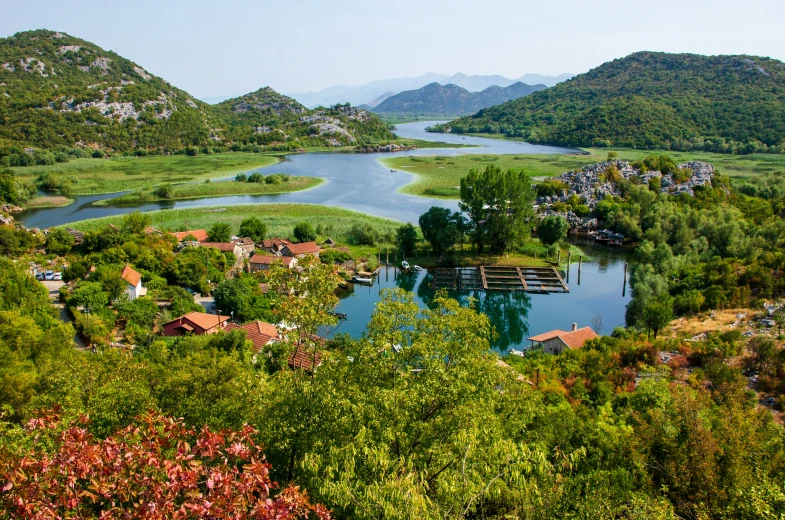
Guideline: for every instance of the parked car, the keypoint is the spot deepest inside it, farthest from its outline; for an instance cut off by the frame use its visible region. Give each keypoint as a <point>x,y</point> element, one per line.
<point>57,277</point>
<point>39,275</point>
<point>49,275</point>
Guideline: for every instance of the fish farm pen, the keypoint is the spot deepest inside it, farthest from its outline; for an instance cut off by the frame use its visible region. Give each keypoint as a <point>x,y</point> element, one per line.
<point>500,278</point>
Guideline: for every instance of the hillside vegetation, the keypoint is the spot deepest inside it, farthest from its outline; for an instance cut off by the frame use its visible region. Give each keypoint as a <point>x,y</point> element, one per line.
<point>63,97</point>
<point>450,100</point>
<point>727,104</point>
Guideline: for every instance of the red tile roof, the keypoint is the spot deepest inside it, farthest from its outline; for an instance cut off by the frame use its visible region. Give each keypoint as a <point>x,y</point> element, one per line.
<point>259,332</point>
<point>277,242</point>
<point>269,259</point>
<point>302,249</point>
<point>304,358</point>
<point>226,247</point>
<point>199,234</point>
<point>130,275</point>
<point>202,319</point>
<point>545,336</point>
<point>576,338</point>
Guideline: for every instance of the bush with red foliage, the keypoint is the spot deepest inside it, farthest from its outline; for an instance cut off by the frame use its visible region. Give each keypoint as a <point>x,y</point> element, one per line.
<point>155,469</point>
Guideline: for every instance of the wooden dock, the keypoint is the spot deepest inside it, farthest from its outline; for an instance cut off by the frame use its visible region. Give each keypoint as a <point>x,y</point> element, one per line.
<point>500,278</point>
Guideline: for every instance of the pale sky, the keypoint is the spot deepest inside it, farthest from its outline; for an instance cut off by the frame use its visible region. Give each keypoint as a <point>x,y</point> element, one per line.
<point>235,46</point>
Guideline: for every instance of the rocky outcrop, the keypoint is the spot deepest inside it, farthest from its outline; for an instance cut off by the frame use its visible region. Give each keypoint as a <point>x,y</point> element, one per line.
<point>392,147</point>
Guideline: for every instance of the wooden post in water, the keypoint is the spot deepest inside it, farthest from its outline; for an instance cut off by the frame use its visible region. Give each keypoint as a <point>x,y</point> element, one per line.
<point>580,264</point>
<point>387,261</point>
<point>624,288</point>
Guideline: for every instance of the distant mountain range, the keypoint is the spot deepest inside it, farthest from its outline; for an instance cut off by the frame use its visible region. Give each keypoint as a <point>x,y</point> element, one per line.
<point>62,93</point>
<point>449,100</point>
<point>728,104</point>
<point>368,93</point>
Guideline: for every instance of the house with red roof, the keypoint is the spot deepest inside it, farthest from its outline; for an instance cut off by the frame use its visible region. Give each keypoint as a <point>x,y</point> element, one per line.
<point>262,334</point>
<point>133,280</point>
<point>302,249</point>
<point>226,247</point>
<point>274,245</point>
<point>196,323</point>
<point>557,341</point>
<point>199,234</point>
<point>263,262</point>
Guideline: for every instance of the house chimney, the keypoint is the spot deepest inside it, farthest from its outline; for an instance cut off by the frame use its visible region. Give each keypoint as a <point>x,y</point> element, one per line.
<point>574,326</point>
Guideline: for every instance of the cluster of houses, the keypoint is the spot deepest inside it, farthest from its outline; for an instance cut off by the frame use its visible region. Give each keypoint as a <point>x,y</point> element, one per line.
<point>591,185</point>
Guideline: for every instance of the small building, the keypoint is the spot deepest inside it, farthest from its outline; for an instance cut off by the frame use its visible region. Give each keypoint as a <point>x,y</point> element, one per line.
<point>302,249</point>
<point>274,245</point>
<point>225,247</point>
<point>556,341</point>
<point>199,234</point>
<point>197,323</point>
<point>263,262</point>
<point>133,279</point>
<point>246,244</point>
<point>260,333</point>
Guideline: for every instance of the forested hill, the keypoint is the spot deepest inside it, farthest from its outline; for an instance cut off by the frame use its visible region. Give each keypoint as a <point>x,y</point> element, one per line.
<point>652,100</point>
<point>59,92</point>
<point>450,100</point>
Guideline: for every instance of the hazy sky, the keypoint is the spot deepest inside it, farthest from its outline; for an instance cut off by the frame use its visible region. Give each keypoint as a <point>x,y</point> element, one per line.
<point>235,46</point>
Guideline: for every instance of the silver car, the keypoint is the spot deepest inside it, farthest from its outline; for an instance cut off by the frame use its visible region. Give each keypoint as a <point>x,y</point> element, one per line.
<point>49,275</point>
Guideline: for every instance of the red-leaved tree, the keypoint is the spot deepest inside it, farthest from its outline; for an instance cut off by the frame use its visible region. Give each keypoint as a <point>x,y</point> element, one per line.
<point>155,469</point>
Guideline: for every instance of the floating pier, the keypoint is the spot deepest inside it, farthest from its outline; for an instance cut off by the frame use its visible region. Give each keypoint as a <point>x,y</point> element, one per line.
<point>500,278</point>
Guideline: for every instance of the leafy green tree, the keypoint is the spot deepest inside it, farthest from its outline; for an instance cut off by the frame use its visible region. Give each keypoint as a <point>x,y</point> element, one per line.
<point>439,228</point>
<point>136,222</point>
<point>552,229</point>
<point>243,299</point>
<point>220,232</point>
<point>499,205</point>
<point>59,241</point>
<point>9,243</point>
<point>90,295</point>
<point>253,228</point>
<point>304,232</point>
<point>406,239</point>
<point>164,191</point>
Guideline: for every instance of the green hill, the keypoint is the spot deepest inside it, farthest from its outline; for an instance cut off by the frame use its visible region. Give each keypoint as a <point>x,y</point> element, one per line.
<point>652,100</point>
<point>450,100</point>
<point>69,96</point>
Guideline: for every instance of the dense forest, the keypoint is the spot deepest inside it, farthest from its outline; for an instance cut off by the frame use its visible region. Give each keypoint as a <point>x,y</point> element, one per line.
<point>729,104</point>
<point>65,97</point>
<point>450,100</point>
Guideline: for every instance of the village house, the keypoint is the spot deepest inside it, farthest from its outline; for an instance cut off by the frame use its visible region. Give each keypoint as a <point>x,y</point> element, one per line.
<point>133,279</point>
<point>263,262</point>
<point>226,247</point>
<point>556,341</point>
<point>274,245</point>
<point>262,334</point>
<point>246,244</point>
<point>197,323</point>
<point>199,234</point>
<point>300,250</point>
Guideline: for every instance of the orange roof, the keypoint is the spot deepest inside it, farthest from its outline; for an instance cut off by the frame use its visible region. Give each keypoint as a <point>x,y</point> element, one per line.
<point>130,275</point>
<point>199,234</point>
<point>202,319</point>
<point>226,247</point>
<point>269,259</point>
<point>573,338</point>
<point>305,358</point>
<point>259,332</point>
<point>545,336</point>
<point>270,242</point>
<point>151,230</point>
<point>303,249</point>
<point>576,338</point>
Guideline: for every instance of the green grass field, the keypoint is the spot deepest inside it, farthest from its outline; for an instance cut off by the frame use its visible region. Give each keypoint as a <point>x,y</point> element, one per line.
<point>280,219</point>
<point>48,202</point>
<point>94,176</point>
<point>439,176</point>
<point>216,189</point>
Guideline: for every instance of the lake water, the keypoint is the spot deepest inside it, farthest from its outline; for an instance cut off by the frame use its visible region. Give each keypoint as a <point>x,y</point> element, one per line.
<point>353,181</point>
<point>359,182</point>
<point>515,315</point>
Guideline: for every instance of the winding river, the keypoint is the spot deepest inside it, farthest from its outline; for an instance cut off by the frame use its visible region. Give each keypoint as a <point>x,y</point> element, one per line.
<point>360,182</point>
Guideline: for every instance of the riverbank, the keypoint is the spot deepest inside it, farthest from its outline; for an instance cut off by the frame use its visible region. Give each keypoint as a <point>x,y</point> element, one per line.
<point>280,219</point>
<point>99,176</point>
<point>55,201</point>
<point>440,176</point>
<point>214,189</point>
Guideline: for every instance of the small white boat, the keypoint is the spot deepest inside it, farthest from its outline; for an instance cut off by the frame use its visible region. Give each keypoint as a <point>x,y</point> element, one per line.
<point>417,268</point>
<point>405,264</point>
<point>514,352</point>
<point>360,279</point>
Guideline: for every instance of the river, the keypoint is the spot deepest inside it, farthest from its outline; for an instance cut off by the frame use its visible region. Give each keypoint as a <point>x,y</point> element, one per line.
<point>353,181</point>
<point>359,182</point>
